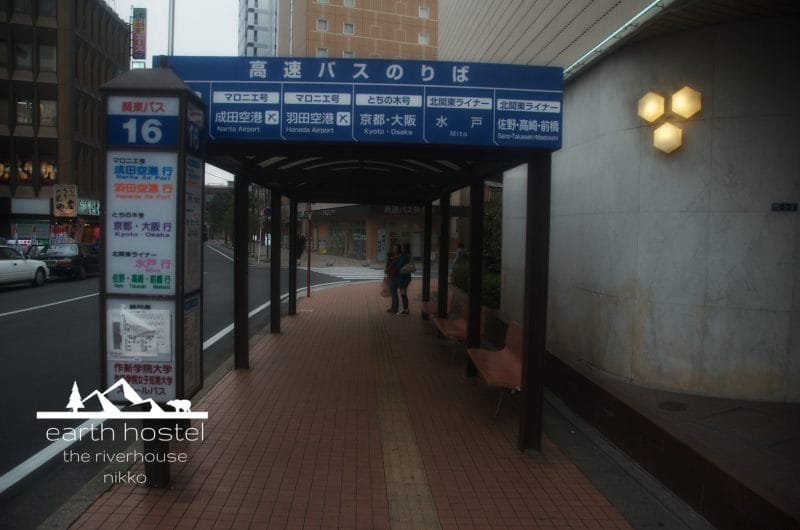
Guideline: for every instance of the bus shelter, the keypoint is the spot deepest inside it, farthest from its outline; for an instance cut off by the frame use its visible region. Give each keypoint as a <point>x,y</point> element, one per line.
<point>369,132</point>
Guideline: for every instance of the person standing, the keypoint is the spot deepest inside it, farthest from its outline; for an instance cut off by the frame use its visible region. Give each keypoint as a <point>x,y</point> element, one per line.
<point>391,270</point>
<point>403,277</point>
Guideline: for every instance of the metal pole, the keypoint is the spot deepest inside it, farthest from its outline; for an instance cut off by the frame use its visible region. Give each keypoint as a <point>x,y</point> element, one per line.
<point>426,254</point>
<point>308,250</point>
<point>475,270</point>
<point>534,342</point>
<point>241,323</point>
<point>293,256</point>
<point>171,36</point>
<point>275,264</point>
<point>444,253</point>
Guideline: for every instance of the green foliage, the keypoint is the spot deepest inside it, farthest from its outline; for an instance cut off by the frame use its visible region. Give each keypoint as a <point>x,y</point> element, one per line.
<point>490,288</point>
<point>219,214</point>
<point>490,291</point>
<point>492,236</point>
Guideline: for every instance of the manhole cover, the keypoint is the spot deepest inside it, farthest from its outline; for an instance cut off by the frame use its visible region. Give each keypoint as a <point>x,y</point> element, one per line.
<point>673,406</point>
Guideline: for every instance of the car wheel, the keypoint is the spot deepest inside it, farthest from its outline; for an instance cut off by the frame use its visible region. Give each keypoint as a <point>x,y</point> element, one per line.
<point>39,277</point>
<point>81,273</point>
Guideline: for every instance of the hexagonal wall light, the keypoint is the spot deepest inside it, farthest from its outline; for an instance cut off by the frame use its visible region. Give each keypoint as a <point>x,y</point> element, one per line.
<point>686,102</point>
<point>651,106</point>
<point>667,138</point>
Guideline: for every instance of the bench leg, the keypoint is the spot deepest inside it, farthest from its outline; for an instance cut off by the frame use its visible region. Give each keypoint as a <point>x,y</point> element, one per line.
<point>499,404</point>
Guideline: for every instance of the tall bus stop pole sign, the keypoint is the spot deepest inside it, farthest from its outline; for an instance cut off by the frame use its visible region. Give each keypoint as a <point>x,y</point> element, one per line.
<point>152,280</point>
<point>368,100</point>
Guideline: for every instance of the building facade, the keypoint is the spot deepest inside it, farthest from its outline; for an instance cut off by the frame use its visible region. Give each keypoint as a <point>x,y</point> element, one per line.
<point>405,29</point>
<point>681,270</point>
<point>53,58</point>
<point>258,28</point>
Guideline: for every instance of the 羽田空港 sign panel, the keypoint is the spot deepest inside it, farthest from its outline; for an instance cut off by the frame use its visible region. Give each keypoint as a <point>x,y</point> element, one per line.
<point>370,100</point>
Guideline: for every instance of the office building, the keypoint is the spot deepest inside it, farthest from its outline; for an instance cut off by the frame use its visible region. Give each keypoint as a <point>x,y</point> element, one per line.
<point>53,58</point>
<point>404,29</point>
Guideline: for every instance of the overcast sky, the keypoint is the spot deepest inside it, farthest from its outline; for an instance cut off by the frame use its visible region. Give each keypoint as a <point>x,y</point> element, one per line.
<point>202,27</point>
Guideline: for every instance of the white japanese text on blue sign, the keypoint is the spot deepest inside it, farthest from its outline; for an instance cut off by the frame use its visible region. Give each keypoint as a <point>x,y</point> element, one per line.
<point>361,100</point>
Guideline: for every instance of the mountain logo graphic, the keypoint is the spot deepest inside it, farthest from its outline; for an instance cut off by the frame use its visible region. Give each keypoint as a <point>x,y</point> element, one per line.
<point>182,407</point>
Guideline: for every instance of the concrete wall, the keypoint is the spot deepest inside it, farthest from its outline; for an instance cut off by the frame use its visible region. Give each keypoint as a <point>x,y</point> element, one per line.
<point>671,271</point>
<point>513,252</point>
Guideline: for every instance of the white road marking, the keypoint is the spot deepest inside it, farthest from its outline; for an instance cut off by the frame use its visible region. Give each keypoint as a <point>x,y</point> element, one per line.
<point>48,305</point>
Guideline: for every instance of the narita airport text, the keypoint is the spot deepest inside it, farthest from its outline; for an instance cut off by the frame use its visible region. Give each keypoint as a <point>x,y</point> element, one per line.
<point>129,434</point>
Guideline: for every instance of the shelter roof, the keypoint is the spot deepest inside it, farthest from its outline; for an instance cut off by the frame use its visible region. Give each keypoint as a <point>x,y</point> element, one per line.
<point>362,173</point>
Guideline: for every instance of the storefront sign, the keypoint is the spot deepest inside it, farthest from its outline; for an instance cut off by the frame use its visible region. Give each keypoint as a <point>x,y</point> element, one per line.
<point>139,33</point>
<point>88,207</point>
<point>65,200</point>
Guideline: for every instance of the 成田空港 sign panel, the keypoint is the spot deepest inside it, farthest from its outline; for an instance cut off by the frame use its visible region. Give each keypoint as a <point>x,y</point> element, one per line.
<point>371,100</point>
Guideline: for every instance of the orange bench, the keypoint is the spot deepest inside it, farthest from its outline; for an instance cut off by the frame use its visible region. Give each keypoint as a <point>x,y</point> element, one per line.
<point>430,309</point>
<point>454,325</point>
<point>501,368</point>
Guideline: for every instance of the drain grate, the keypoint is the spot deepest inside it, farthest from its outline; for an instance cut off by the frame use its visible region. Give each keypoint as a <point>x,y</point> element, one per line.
<point>673,406</point>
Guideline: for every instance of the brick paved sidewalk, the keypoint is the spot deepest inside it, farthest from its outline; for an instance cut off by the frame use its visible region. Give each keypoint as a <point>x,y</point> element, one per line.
<point>355,418</point>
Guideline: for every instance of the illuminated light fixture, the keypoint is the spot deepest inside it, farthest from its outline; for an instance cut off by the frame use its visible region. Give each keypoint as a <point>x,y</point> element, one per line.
<point>686,102</point>
<point>651,106</point>
<point>667,138</point>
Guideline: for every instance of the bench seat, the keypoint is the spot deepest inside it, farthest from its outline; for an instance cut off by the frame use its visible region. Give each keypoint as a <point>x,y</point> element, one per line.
<point>501,368</point>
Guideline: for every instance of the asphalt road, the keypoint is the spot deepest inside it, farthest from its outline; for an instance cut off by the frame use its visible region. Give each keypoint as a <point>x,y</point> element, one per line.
<point>49,337</point>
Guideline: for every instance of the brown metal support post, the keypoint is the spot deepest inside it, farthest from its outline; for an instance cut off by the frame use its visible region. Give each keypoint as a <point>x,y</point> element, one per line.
<point>308,250</point>
<point>275,264</point>
<point>475,270</point>
<point>537,225</point>
<point>426,254</point>
<point>444,252</point>
<point>293,249</point>
<point>241,236</point>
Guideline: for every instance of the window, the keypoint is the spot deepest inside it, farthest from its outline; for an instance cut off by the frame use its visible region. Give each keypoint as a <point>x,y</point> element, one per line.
<point>5,169</point>
<point>3,53</point>
<point>47,58</point>
<point>48,113</point>
<point>23,59</point>
<point>322,24</point>
<point>24,111</point>
<point>348,54</point>
<point>48,169</point>
<point>22,6</point>
<point>347,28</point>
<point>322,52</point>
<point>422,38</point>
<point>47,8</point>
<point>349,3</point>
<point>424,12</point>
<point>24,169</point>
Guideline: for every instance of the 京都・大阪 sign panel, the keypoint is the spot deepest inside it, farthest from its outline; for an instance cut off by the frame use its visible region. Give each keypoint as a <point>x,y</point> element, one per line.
<point>363,100</point>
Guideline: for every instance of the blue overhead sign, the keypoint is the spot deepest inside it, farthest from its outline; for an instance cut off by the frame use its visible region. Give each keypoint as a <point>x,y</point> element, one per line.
<point>367,100</point>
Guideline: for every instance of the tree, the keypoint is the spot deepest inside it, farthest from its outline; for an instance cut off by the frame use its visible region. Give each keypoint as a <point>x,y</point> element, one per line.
<point>217,214</point>
<point>75,402</point>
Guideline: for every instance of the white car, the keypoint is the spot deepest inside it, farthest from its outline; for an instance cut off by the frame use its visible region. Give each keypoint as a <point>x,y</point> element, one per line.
<point>14,268</point>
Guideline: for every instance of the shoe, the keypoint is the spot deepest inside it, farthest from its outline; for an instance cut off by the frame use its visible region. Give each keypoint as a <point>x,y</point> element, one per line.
<point>393,311</point>
<point>404,312</point>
